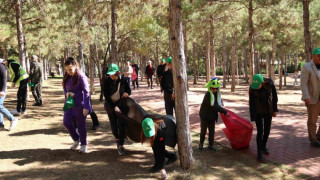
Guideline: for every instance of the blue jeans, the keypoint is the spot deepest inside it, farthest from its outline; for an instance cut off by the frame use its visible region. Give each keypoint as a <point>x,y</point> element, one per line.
<point>4,111</point>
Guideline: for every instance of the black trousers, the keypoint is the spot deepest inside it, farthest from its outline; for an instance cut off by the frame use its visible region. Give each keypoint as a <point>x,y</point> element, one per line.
<point>36,92</point>
<point>94,118</point>
<point>160,153</point>
<point>149,78</point>
<point>263,123</point>
<point>207,124</point>
<point>168,103</point>
<point>135,82</point>
<point>22,95</point>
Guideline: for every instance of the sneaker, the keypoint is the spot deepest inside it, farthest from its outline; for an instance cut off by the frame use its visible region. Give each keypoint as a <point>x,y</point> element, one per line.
<point>265,151</point>
<point>200,146</point>
<point>260,158</point>
<point>13,124</point>
<point>315,144</point>
<point>36,104</point>
<point>120,149</point>
<point>24,112</point>
<point>163,174</point>
<point>94,128</point>
<point>211,148</point>
<point>75,145</point>
<point>15,112</point>
<point>154,169</point>
<point>83,149</point>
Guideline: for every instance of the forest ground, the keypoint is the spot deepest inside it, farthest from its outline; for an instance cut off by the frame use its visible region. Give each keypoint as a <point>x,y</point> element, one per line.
<point>38,148</point>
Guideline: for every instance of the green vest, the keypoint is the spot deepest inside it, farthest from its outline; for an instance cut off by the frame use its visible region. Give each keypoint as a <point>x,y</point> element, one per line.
<point>23,73</point>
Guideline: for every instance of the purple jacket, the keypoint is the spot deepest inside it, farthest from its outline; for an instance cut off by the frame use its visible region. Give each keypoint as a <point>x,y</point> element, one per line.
<point>81,93</point>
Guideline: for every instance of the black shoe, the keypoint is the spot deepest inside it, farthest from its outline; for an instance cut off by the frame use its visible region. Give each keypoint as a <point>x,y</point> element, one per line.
<point>95,127</point>
<point>171,160</point>
<point>36,104</point>
<point>154,169</point>
<point>315,144</point>
<point>1,126</point>
<point>260,158</point>
<point>120,150</point>
<point>211,148</point>
<point>265,151</point>
<point>200,146</point>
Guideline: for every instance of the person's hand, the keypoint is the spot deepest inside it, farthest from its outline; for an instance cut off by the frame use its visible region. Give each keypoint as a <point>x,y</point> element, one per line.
<point>2,94</point>
<point>70,94</point>
<point>116,109</point>
<point>252,123</point>
<point>274,114</point>
<point>172,96</point>
<point>85,112</point>
<point>125,95</point>
<point>29,81</point>
<point>13,85</point>
<point>227,114</point>
<point>307,102</point>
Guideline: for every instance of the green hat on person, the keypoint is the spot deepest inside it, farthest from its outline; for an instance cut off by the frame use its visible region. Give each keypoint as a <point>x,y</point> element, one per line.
<point>148,127</point>
<point>169,60</point>
<point>213,83</point>
<point>163,60</point>
<point>257,80</point>
<point>316,51</point>
<point>132,60</point>
<point>112,69</point>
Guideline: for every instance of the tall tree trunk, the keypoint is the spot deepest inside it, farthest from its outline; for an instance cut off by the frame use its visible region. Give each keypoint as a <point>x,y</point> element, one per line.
<point>194,63</point>
<point>208,60</point>
<point>245,65</point>
<point>268,65</point>
<point>307,37</point>
<point>20,33</point>
<point>5,55</point>
<point>233,63</point>
<point>280,71</point>
<point>285,71</point>
<point>157,59</point>
<point>114,33</point>
<point>91,69</point>
<point>198,69</point>
<point>224,57</point>
<point>45,77</point>
<point>180,85</point>
<point>274,51</point>
<point>212,55</point>
<point>250,40</point>
<point>81,58</point>
<point>258,67</point>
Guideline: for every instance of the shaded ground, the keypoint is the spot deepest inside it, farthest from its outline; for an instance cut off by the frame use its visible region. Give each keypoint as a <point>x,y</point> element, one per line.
<point>38,147</point>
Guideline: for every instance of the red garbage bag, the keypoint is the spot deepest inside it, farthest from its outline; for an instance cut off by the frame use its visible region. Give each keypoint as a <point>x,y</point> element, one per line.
<point>238,130</point>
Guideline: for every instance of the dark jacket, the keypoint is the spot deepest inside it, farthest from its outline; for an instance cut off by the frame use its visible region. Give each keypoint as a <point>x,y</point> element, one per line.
<point>3,78</point>
<point>147,71</point>
<point>263,101</point>
<point>136,67</point>
<point>167,82</point>
<point>111,86</point>
<point>208,112</point>
<point>160,70</point>
<point>35,72</point>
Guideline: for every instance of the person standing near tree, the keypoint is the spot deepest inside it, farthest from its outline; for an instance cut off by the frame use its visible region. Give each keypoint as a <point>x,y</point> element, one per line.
<point>3,89</point>
<point>75,85</point>
<point>310,87</point>
<point>127,72</point>
<point>160,70</point>
<point>20,78</point>
<point>135,68</point>
<point>168,88</point>
<point>149,72</point>
<point>35,80</point>
<point>263,105</point>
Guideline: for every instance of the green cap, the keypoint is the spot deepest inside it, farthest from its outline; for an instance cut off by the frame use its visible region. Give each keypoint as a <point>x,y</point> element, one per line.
<point>162,60</point>
<point>316,51</point>
<point>169,60</point>
<point>69,103</point>
<point>112,69</point>
<point>213,83</point>
<point>148,127</point>
<point>132,60</point>
<point>257,79</point>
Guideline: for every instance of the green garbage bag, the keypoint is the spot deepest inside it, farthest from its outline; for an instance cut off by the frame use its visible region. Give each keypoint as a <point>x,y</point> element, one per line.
<point>69,103</point>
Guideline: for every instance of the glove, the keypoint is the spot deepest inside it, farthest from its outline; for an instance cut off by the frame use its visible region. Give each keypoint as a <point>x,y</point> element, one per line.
<point>85,112</point>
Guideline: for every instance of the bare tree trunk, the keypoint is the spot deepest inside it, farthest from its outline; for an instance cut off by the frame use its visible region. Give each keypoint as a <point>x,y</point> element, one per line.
<point>250,40</point>
<point>285,71</point>
<point>20,33</point>
<point>268,66</point>
<point>307,37</point>
<point>274,51</point>
<point>114,33</point>
<point>258,67</point>
<point>224,57</point>
<point>208,61</point>
<point>245,65</point>
<point>280,72</point>
<point>91,69</point>
<point>44,74</point>
<point>194,63</point>
<point>233,63</point>
<point>212,57</point>
<point>157,59</point>
<point>198,69</point>
<point>81,58</point>
<point>180,85</point>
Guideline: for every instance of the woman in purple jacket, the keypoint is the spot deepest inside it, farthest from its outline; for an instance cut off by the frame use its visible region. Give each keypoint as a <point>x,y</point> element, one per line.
<point>75,84</point>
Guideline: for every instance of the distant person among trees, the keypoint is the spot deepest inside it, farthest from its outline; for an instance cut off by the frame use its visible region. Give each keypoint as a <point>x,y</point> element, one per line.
<point>310,87</point>
<point>159,131</point>
<point>115,88</point>
<point>211,105</point>
<point>295,76</point>
<point>149,72</point>
<point>35,80</point>
<point>160,70</point>
<point>135,81</point>
<point>20,78</point>
<point>76,89</point>
<point>263,104</point>
<point>168,88</point>
<point>3,90</point>
<point>127,72</point>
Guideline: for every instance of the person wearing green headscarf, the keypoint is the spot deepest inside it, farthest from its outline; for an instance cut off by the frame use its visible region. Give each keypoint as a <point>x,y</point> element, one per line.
<point>211,105</point>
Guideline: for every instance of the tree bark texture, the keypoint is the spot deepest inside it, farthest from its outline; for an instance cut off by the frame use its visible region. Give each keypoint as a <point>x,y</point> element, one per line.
<point>212,57</point>
<point>233,63</point>
<point>20,34</point>
<point>307,36</point>
<point>194,63</point>
<point>91,69</point>
<point>274,51</point>
<point>245,65</point>
<point>208,60</point>
<point>224,57</point>
<point>114,33</point>
<point>180,84</point>
<point>250,40</point>
<point>81,57</point>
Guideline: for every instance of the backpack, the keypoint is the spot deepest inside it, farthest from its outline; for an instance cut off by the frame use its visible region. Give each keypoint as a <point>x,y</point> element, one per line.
<point>134,75</point>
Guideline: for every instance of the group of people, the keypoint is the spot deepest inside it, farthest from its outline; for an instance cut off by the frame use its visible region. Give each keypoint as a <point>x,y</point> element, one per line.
<point>22,79</point>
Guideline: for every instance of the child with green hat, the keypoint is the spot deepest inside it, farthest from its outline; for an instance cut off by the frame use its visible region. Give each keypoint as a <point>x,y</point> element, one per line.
<point>211,105</point>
